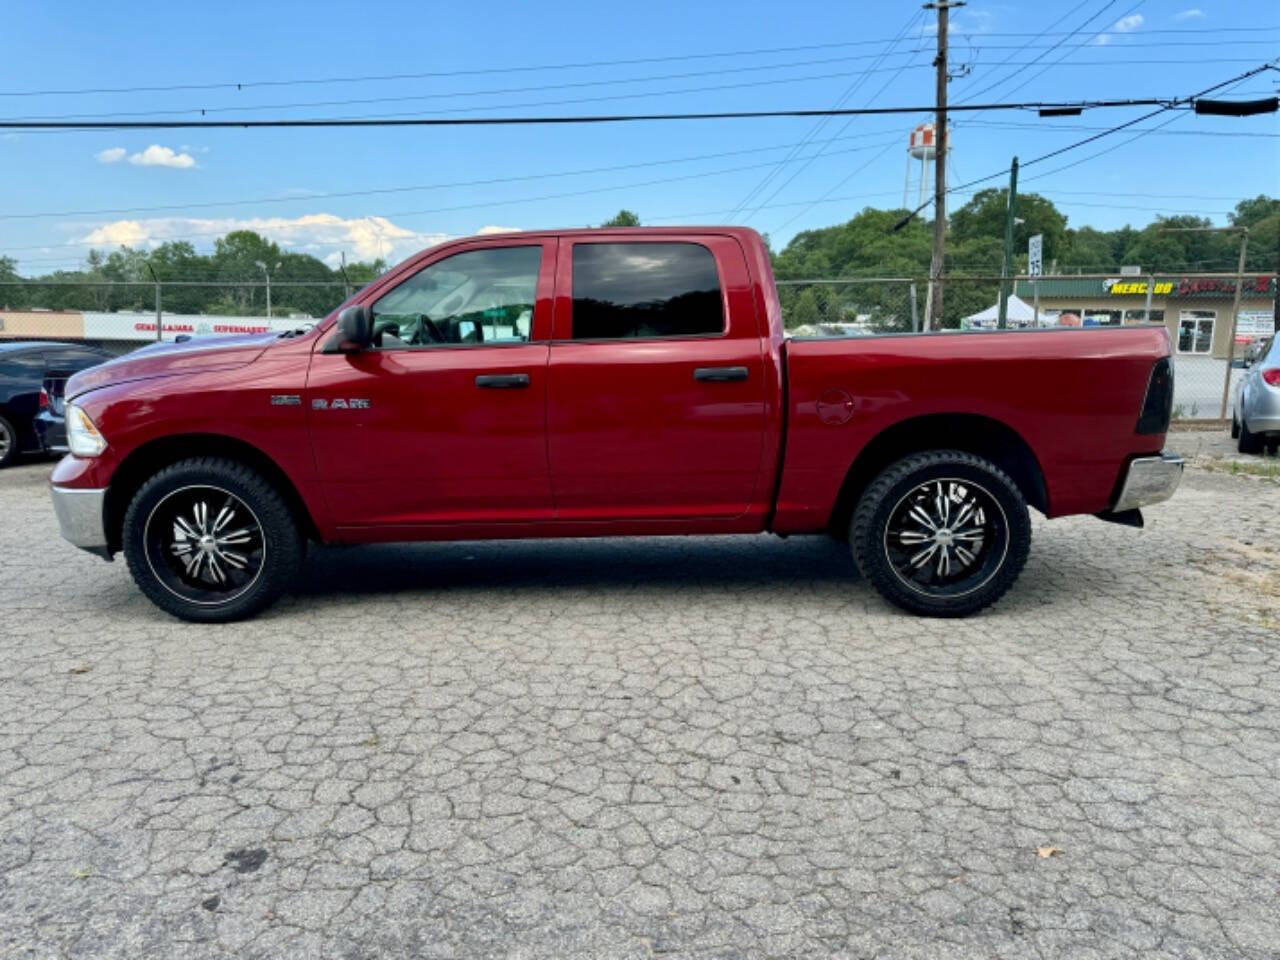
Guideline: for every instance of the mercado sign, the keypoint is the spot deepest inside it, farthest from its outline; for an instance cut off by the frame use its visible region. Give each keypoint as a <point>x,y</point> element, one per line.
<point>1192,287</point>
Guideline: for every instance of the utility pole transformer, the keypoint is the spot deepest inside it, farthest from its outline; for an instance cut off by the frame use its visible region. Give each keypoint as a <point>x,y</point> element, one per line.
<point>934,320</point>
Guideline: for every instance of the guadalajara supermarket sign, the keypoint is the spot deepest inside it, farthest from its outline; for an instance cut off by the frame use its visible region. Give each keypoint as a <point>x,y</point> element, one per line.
<point>142,326</point>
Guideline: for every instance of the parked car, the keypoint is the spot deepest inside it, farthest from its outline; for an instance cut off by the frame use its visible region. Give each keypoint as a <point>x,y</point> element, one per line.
<point>605,383</point>
<point>50,423</point>
<point>1255,415</point>
<point>1254,349</point>
<point>23,365</point>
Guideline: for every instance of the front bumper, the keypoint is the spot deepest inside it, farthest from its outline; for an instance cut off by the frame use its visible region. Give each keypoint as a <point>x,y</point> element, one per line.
<point>1149,480</point>
<point>82,518</point>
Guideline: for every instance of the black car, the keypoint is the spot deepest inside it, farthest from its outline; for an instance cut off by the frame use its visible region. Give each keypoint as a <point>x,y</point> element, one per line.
<point>23,368</point>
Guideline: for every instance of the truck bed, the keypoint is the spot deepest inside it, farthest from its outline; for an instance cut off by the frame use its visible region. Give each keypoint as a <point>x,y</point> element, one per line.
<point>1071,395</point>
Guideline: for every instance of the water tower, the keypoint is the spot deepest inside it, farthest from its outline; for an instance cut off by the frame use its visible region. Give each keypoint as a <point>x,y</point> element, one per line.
<point>923,147</point>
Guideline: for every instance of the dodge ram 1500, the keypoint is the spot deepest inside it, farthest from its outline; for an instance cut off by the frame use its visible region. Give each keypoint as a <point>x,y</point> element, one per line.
<point>605,383</point>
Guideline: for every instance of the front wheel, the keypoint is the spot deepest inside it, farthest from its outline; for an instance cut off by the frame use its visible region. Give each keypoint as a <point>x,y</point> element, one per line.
<point>210,540</point>
<point>942,533</point>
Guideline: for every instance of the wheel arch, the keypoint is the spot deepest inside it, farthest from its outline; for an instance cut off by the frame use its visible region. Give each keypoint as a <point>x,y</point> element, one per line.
<point>972,433</point>
<point>151,457</point>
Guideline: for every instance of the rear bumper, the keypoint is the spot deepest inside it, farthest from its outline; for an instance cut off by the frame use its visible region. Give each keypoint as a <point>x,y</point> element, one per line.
<point>1149,480</point>
<point>81,518</point>
<point>1263,424</point>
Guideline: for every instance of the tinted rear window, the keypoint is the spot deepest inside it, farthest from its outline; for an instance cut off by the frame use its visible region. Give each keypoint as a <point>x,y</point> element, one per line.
<point>627,290</point>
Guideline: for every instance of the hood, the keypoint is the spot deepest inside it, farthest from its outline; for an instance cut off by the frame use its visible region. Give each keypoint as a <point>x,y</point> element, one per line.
<point>199,354</point>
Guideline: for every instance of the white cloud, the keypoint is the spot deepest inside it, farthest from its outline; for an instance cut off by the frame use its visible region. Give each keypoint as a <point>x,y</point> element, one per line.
<point>484,231</point>
<point>323,235</point>
<point>1123,25</point>
<point>1194,13</point>
<point>158,156</point>
<point>110,155</point>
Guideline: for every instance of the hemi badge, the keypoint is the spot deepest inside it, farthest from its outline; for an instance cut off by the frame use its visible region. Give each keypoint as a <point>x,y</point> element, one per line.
<point>286,400</point>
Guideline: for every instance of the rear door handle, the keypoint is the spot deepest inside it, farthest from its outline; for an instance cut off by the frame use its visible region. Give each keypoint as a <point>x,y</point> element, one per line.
<point>720,374</point>
<point>502,381</point>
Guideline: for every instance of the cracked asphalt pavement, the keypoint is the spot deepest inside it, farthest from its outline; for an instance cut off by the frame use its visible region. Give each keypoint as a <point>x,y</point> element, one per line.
<point>661,747</point>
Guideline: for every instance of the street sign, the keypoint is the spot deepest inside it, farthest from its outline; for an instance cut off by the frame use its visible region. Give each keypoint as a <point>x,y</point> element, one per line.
<point>1035,255</point>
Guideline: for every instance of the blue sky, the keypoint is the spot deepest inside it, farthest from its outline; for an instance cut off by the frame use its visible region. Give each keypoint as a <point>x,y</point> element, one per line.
<point>528,58</point>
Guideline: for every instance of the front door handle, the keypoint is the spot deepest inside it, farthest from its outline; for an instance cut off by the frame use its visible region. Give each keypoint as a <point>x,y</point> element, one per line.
<point>720,374</point>
<point>502,381</point>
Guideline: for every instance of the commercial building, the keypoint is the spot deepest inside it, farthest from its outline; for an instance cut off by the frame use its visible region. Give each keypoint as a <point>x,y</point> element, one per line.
<point>1196,309</point>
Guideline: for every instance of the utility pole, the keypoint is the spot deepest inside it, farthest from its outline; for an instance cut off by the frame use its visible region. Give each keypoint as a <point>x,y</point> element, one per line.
<point>152,271</point>
<point>1235,318</point>
<point>346,283</point>
<point>934,319</point>
<point>1002,322</point>
<point>267,273</point>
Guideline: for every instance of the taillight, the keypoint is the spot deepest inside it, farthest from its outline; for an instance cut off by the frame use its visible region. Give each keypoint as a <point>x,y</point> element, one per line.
<point>44,399</point>
<point>1272,376</point>
<point>1157,406</point>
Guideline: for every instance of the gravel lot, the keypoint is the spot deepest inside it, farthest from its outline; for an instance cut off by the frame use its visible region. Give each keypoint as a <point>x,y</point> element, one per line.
<point>678,748</point>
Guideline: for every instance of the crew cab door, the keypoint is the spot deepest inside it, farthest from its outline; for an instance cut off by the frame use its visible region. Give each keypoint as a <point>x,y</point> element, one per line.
<point>443,421</point>
<point>656,393</point>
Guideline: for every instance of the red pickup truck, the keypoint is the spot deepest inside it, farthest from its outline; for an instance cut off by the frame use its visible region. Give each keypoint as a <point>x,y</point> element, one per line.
<point>604,383</point>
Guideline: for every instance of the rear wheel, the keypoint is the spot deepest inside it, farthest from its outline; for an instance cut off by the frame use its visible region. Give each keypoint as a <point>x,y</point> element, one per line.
<point>8,442</point>
<point>943,533</point>
<point>210,540</point>
<point>1249,442</point>
<point>1235,426</point>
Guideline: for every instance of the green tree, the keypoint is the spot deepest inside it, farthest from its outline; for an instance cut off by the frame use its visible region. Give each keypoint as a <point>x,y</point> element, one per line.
<point>12,294</point>
<point>984,217</point>
<point>623,218</point>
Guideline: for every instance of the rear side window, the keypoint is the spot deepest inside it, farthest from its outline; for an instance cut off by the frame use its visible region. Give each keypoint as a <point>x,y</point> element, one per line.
<point>644,290</point>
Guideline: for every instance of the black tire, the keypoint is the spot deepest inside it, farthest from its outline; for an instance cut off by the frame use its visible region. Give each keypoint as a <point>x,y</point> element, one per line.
<point>1249,442</point>
<point>990,517</point>
<point>8,442</point>
<point>198,566</point>
<point>1235,426</point>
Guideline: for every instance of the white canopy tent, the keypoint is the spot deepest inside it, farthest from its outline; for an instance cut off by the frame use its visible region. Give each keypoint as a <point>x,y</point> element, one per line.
<point>1018,312</point>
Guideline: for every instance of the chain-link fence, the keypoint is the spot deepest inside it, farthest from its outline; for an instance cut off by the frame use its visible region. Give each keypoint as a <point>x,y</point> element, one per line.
<point>1213,337</point>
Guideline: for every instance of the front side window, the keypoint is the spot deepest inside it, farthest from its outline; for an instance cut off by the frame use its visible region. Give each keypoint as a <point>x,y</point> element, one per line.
<point>643,290</point>
<point>480,296</point>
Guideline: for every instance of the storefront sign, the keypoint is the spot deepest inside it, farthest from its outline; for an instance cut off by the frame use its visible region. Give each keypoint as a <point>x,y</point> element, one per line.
<point>1254,323</point>
<point>142,326</point>
<point>1135,288</point>
<point>1211,287</point>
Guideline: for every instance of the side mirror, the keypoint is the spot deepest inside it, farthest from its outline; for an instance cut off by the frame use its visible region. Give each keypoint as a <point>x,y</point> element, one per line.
<point>352,332</point>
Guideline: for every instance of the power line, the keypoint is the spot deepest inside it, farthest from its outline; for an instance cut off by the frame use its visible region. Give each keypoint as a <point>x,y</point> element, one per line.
<point>1163,102</point>
<point>309,198</point>
<point>478,93</point>
<point>530,68</point>
<point>997,83</point>
<point>1233,81</point>
<point>820,125</point>
<point>496,203</point>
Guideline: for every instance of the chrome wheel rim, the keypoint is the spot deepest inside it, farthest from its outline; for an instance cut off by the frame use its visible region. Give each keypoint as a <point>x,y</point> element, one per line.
<point>946,537</point>
<point>205,545</point>
<point>6,441</point>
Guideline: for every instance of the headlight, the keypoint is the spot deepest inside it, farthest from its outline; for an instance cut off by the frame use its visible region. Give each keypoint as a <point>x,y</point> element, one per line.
<point>83,438</point>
